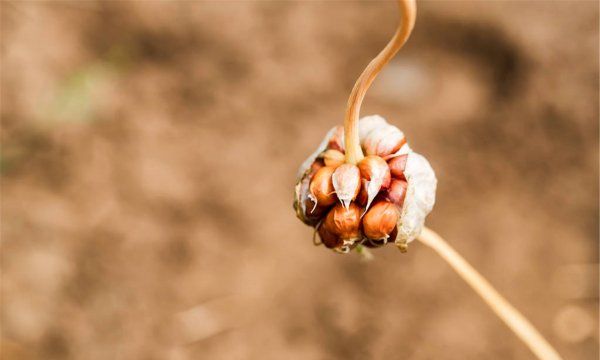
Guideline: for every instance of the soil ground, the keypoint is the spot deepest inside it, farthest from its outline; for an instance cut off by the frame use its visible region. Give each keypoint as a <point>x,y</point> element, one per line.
<point>149,153</point>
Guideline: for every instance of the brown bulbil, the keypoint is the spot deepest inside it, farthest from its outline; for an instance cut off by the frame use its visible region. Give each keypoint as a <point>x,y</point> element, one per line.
<point>314,213</point>
<point>315,166</point>
<point>384,141</point>
<point>321,187</point>
<point>333,158</point>
<point>397,192</point>
<point>363,197</point>
<point>343,223</point>
<point>380,220</point>
<point>379,243</point>
<point>397,166</point>
<point>328,239</point>
<point>374,166</point>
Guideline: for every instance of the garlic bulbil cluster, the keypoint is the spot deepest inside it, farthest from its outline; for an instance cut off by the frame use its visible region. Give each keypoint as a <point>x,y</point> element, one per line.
<point>384,198</point>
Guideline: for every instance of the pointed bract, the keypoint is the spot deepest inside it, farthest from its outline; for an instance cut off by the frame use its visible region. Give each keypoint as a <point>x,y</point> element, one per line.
<point>346,182</point>
<point>376,172</point>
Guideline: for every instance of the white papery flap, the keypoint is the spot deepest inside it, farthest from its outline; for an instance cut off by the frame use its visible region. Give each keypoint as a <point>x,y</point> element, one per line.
<point>420,197</point>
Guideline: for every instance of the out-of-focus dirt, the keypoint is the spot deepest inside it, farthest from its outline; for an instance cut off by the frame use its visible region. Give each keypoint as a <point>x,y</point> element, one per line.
<point>149,152</point>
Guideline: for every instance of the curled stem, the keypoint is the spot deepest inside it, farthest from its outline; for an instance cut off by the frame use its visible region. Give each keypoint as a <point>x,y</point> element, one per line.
<point>505,311</point>
<point>408,13</point>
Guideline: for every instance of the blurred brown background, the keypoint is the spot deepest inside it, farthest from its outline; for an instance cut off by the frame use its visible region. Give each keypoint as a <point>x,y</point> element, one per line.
<point>149,152</point>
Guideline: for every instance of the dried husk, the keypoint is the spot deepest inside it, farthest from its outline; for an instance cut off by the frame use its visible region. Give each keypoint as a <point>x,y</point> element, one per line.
<point>346,182</point>
<point>419,199</point>
<point>376,174</point>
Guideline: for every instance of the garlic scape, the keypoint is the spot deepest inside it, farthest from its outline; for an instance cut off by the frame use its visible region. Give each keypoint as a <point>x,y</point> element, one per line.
<point>355,201</point>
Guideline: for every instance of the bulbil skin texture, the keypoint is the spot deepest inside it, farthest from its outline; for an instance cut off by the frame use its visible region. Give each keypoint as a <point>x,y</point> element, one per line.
<point>372,166</point>
<point>380,220</point>
<point>363,197</point>
<point>328,239</point>
<point>321,187</point>
<point>384,141</point>
<point>333,158</point>
<point>365,203</point>
<point>397,165</point>
<point>370,243</point>
<point>344,224</point>
<point>397,192</point>
<point>376,176</point>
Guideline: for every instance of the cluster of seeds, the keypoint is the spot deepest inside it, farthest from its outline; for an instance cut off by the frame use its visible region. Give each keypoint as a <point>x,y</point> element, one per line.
<point>356,204</point>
